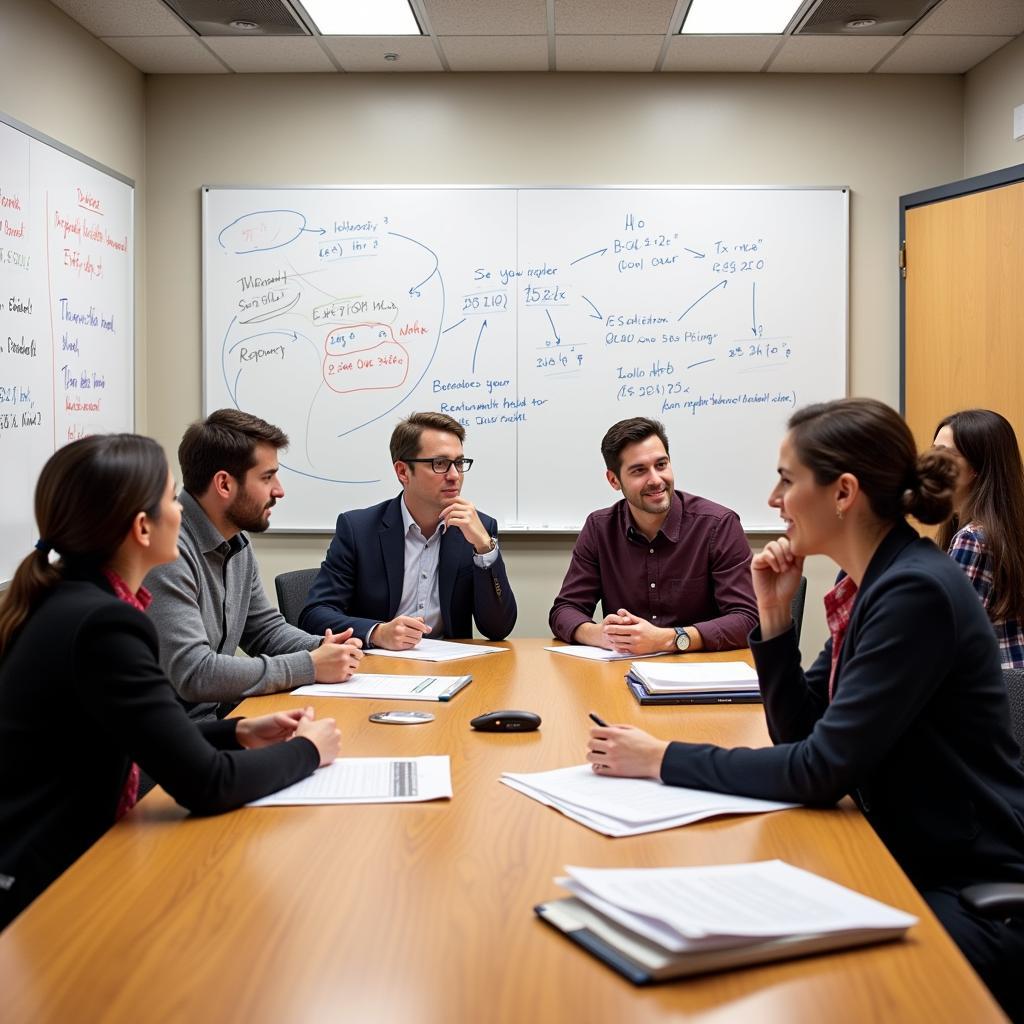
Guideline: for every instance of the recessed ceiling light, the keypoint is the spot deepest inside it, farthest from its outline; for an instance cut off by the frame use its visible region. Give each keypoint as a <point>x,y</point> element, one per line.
<point>244,26</point>
<point>739,17</point>
<point>362,17</point>
<point>861,22</point>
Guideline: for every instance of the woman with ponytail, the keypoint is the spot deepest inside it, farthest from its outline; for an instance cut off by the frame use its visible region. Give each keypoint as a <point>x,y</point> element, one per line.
<point>83,701</point>
<point>905,709</point>
<point>986,532</point>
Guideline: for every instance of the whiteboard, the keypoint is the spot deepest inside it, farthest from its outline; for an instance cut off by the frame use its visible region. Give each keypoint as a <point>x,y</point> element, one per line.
<point>66,329</point>
<point>535,316</point>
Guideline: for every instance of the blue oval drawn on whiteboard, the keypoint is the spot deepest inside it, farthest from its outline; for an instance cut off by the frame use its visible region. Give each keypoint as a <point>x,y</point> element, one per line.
<point>264,230</point>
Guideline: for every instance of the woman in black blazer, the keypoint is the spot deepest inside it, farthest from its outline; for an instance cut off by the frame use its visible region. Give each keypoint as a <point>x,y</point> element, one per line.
<point>83,701</point>
<point>905,708</point>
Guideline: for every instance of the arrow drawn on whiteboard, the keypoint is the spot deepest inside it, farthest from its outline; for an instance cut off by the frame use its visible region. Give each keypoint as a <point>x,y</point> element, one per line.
<point>755,327</point>
<point>721,284</point>
<point>597,313</point>
<point>453,326</point>
<point>696,255</point>
<point>558,340</point>
<point>478,337</point>
<point>596,252</point>
<point>414,291</point>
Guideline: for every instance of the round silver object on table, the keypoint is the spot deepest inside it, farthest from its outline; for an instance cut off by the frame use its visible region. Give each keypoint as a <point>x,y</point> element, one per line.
<point>401,717</point>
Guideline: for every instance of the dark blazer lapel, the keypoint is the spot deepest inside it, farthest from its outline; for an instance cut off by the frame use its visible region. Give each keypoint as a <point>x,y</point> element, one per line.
<point>392,552</point>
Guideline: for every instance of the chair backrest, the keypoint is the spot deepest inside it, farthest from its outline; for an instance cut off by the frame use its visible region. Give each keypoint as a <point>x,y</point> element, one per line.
<point>1014,678</point>
<point>798,605</point>
<point>292,591</point>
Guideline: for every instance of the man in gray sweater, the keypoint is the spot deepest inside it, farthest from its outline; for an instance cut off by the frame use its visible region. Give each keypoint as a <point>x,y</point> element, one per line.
<point>210,601</point>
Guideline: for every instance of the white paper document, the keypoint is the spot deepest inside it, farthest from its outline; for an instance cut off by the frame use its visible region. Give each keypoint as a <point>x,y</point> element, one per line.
<point>384,687</point>
<point>439,650</point>
<point>724,676</point>
<point>598,653</point>
<point>628,807</point>
<point>369,780</point>
<point>689,909</point>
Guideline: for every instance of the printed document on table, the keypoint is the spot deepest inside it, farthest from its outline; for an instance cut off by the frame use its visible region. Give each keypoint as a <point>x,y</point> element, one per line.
<point>664,677</point>
<point>369,780</point>
<point>384,687</point>
<point>438,650</point>
<point>622,807</point>
<point>695,908</point>
<point>598,653</point>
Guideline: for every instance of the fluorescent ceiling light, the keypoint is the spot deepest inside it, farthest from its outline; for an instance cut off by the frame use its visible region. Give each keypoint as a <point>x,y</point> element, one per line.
<point>739,17</point>
<point>363,17</point>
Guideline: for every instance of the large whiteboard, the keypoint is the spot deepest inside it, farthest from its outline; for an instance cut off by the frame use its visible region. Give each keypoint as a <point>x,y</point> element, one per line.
<point>66,331</point>
<point>537,317</point>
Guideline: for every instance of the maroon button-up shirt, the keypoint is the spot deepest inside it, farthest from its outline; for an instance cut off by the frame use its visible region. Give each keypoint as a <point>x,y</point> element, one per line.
<point>696,572</point>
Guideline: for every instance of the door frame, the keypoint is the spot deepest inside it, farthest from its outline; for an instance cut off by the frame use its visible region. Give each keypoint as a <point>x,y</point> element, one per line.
<point>953,190</point>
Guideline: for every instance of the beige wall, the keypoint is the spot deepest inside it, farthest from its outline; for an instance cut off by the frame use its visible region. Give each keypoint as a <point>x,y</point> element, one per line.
<point>991,91</point>
<point>883,136</point>
<point>59,80</point>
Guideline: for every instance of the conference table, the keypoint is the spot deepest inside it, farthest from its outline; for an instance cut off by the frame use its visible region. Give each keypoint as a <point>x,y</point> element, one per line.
<point>424,911</point>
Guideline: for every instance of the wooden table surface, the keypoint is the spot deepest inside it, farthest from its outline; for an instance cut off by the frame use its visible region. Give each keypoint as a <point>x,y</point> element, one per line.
<point>424,912</point>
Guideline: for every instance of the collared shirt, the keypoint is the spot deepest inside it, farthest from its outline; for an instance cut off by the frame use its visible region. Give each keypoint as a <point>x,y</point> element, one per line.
<point>695,572</point>
<point>969,549</point>
<point>420,594</point>
<point>839,603</point>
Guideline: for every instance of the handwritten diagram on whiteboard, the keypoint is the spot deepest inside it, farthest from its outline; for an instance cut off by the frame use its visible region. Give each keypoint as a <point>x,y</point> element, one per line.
<point>536,317</point>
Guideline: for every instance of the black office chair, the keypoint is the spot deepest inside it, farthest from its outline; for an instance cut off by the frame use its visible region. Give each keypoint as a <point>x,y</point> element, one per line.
<point>292,591</point>
<point>1003,899</point>
<point>798,606</point>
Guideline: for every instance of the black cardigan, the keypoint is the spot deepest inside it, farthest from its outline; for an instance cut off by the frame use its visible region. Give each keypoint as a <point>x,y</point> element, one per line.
<point>82,695</point>
<point>917,731</point>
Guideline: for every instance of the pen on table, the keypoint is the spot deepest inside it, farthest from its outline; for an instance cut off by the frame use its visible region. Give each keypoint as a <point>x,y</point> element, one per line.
<point>600,721</point>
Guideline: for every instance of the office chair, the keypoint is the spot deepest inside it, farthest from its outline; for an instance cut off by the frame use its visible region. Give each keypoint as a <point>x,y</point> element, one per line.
<point>798,606</point>
<point>292,589</point>
<point>1003,899</point>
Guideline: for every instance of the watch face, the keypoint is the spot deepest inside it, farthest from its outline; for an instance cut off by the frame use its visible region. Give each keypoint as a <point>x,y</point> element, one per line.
<point>682,641</point>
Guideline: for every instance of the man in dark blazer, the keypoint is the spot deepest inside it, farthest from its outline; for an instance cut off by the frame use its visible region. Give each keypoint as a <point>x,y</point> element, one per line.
<point>423,563</point>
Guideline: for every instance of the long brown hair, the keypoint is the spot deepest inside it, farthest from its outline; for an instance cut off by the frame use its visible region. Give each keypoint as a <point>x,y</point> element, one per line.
<point>88,493</point>
<point>996,501</point>
<point>868,439</point>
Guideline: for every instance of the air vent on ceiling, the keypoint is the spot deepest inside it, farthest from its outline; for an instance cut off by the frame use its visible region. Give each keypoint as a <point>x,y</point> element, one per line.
<point>237,17</point>
<point>863,17</point>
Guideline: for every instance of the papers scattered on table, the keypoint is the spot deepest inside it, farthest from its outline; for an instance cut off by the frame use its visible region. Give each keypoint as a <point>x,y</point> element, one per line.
<point>382,687</point>
<point>628,807</point>
<point>598,653</point>
<point>657,923</point>
<point>438,650</point>
<point>369,780</point>
<point>662,677</point>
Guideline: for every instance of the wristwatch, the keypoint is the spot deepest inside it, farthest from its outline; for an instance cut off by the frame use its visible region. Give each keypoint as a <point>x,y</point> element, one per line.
<point>682,639</point>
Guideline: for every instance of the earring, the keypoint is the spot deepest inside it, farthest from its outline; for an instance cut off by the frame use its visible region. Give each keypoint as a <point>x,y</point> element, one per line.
<point>839,513</point>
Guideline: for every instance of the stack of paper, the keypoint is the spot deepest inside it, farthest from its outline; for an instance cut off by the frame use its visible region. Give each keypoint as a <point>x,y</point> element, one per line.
<point>628,807</point>
<point>382,687</point>
<point>598,653</point>
<point>657,923</point>
<point>438,650</point>
<point>708,682</point>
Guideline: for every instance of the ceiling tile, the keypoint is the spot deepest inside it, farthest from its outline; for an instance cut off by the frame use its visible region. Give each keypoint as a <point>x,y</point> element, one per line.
<point>366,53</point>
<point>607,53</point>
<point>613,17</point>
<point>718,53</point>
<point>124,17</point>
<point>487,17</point>
<point>940,55</point>
<point>832,54</point>
<point>496,53</point>
<point>258,54</point>
<point>974,17</point>
<point>166,55</point>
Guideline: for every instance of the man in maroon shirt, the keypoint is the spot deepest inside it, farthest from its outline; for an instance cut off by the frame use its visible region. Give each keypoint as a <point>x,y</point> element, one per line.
<point>671,570</point>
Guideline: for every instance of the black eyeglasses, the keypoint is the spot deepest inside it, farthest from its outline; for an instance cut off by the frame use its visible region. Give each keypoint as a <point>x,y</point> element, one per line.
<point>439,464</point>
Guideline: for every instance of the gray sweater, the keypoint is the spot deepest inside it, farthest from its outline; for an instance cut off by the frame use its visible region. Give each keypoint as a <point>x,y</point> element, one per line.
<point>209,602</point>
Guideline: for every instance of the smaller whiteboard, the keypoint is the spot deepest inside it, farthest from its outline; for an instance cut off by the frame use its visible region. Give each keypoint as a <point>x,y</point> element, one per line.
<point>535,316</point>
<point>66,322</point>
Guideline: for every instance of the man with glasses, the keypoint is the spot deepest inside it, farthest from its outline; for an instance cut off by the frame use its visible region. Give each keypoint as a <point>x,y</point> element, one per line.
<point>423,563</point>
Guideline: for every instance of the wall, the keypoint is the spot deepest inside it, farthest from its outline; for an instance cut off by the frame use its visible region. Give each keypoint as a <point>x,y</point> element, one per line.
<point>882,135</point>
<point>61,81</point>
<point>991,91</point>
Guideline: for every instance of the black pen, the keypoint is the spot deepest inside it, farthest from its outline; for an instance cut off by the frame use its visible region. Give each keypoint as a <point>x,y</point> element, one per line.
<point>599,721</point>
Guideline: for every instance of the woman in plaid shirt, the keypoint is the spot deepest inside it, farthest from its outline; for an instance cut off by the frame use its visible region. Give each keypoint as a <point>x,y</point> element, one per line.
<point>986,533</point>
